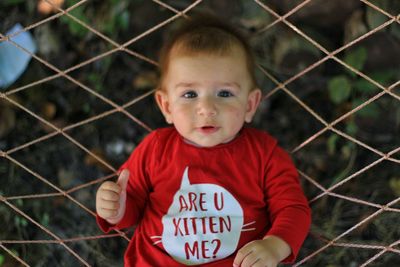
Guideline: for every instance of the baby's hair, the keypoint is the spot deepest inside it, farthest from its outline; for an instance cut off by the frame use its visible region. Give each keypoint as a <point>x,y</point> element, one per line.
<point>205,34</point>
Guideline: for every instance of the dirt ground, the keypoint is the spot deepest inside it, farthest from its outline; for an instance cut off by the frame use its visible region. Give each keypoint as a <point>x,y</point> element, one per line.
<point>280,51</point>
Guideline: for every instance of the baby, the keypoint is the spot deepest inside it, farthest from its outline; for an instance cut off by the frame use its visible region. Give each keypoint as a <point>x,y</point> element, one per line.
<point>207,191</point>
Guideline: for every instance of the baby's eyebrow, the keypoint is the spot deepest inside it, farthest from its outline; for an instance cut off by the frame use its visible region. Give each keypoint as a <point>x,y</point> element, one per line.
<point>230,84</point>
<point>218,84</point>
<point>185,84</point>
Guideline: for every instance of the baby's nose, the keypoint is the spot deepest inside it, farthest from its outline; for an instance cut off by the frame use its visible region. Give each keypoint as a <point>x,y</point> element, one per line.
<point>206,107</point>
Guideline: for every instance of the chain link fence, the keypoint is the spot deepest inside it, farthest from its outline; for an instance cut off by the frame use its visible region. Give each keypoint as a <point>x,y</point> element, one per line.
<point>330,97</point>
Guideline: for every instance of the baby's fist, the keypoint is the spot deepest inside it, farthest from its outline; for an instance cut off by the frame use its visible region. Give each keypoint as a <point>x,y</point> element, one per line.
<point>267,252</point>
<point>111,199</point>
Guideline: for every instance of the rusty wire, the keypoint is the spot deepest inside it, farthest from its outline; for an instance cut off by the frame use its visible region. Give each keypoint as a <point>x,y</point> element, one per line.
<point>115,108</point>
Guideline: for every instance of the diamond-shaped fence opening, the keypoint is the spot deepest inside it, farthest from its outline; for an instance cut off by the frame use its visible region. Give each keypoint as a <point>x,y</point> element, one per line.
<point>329,72</point>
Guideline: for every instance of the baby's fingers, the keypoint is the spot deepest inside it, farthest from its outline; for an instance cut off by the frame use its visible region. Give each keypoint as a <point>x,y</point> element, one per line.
<point>110,186</point>
<point>249,260</point>
<point>107,213</point>
<point>109,195</point>
<point>242,256</point>
<point>109,205</point>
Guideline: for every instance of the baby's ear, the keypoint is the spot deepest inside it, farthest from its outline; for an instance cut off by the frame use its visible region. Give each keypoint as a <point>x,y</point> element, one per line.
<point>163,103</point>
<point>253,100</point>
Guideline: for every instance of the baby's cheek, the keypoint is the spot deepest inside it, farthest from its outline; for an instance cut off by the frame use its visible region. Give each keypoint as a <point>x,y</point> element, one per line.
<point>183,108</point>
<point>238,114</point>
<point>231,109</point>
<point>180,111</point>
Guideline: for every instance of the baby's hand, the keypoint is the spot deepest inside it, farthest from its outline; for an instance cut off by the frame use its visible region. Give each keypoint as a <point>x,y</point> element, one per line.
<point>111,199</point>
<point>267,252</point>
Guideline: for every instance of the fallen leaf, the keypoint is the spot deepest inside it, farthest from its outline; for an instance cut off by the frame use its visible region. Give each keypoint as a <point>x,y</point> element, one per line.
<point>355,26</point>
<point>145,80</point>
<point>7,119</point>
<point>59,201</point>
<point>45,8</point>
<point>395,185</point>
<point>65,178</point>
<point>49,110</point>
<point>47,40</point>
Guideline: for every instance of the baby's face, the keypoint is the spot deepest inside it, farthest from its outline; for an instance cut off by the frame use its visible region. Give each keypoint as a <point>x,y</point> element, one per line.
<point>208,98</point>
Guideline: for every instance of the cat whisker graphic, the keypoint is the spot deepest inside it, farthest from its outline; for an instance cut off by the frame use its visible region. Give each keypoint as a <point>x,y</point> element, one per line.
<point>155,237</point>
<point>248,229</point>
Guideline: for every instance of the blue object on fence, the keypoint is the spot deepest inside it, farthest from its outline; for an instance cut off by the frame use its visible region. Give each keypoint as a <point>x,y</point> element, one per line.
<point>13,60</point>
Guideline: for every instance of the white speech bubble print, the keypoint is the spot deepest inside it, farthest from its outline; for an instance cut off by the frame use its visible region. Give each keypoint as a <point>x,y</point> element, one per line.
<point>203,224</point>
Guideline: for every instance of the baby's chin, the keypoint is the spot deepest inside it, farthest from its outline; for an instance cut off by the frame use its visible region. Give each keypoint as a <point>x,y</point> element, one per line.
<point>198,144</point>
<point>207,143</point>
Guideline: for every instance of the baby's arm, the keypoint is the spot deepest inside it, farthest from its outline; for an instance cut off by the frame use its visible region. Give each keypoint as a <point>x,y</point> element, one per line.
<point>111,199</point>
<point>267,252</point>
<point>289,214</point>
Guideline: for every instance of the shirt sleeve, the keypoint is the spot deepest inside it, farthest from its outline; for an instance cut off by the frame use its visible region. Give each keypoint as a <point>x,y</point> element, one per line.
<point>288,208</point>
<point>139,185</point>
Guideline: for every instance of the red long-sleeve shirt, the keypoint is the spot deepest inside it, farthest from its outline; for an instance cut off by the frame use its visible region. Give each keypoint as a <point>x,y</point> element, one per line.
<point>196,205</point>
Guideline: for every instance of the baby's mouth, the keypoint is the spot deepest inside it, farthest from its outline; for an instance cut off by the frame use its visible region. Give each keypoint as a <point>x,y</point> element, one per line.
<point>208,129</point>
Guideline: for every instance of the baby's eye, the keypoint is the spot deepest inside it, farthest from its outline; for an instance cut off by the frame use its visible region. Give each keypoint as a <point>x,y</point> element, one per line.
<point>224,93</point>
<point>190,94</point>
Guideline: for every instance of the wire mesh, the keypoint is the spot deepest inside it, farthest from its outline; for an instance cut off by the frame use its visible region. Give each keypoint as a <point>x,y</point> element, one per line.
<point>319,191</point>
